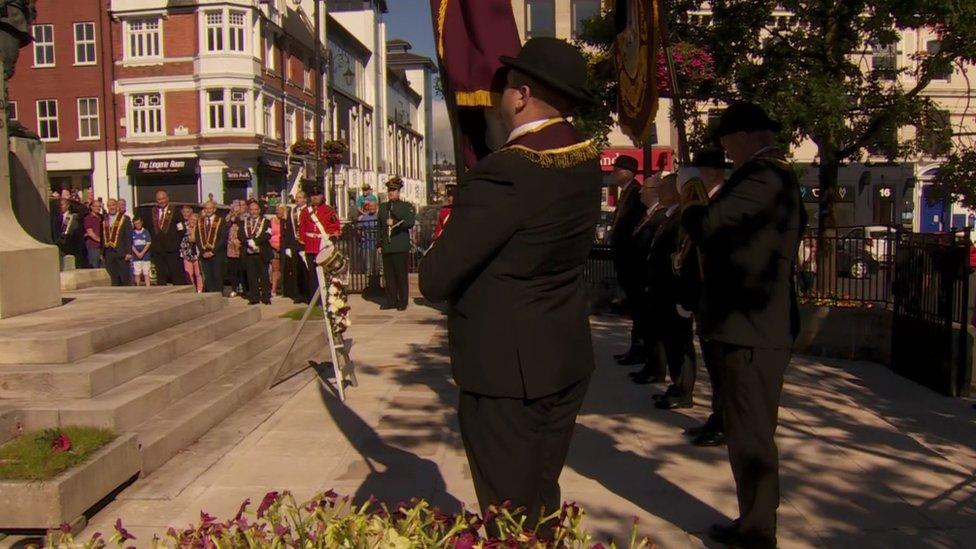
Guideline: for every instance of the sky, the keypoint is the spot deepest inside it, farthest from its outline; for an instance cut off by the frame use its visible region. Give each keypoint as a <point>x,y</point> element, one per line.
<point>411,21</point>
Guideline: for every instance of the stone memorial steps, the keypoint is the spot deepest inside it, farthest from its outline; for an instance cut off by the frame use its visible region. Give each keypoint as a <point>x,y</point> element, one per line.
<point>186,420</point>
<point>131,403</point>
<point>98,319</point>
<point>100,372</point>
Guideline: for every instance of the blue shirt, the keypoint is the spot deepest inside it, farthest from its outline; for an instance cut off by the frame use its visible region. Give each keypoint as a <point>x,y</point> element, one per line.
<point>141,239</point>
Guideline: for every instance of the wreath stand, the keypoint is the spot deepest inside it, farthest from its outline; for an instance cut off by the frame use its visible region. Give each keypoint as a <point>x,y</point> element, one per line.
<point>346,371</point>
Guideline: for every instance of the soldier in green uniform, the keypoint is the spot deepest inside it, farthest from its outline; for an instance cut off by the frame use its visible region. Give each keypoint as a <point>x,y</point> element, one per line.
<point>395,218</point>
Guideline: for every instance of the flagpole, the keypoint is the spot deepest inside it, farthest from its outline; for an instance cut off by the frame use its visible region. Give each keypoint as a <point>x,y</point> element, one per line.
<point>684,156</point>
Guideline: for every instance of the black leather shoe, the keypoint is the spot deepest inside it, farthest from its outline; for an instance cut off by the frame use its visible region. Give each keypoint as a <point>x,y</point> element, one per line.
<point>386,307</point>
<point>726,534</point>
<point>694,431</point>
<point>709,438</point>
<point>672,404</point>
<point>268,302</point>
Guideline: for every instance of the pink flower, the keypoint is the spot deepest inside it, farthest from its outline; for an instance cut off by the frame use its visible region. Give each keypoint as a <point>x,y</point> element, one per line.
<point>281,530</point>
<point>206,518</point>
<point>61,443</point>
<point>122,531</point>
<point>466,540</point>
<point>269,499</point>
<point>65,528</point>
<point>244,506</point>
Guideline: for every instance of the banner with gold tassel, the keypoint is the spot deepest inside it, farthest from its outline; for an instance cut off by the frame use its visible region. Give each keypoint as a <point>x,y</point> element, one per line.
<point>636,46</point>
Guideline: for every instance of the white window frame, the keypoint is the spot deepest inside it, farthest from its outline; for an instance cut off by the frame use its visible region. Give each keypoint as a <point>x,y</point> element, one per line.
<point>149,38</point>
<point>216,109</point>
<point>48,119</point>
<point>290,134</point>
<point>268,117</point>
<point>308,125</point>
<point>551,4</point>
<point>213,30</point>
<point>270,60</point>
<point>236,34</point>
<point>93,120</point>
<point>41,44</point>
<point>84,43</point>
<point>12,112</point>
<point>237,109</point>
<point>150,111</point>
<point>574,19</point>
<point>219,35</point>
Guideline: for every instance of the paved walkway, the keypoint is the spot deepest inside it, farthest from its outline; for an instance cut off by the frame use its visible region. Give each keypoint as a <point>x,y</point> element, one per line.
<point>868,459</point>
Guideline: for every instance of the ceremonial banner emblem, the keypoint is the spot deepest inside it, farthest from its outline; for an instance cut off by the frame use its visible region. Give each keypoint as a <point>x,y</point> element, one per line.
<point>471,35</point>
<point>636,52</point>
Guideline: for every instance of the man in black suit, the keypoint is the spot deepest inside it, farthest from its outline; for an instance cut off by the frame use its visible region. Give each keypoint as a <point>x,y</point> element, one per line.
<point>510,264</point>
<point>117,244</point>
<point>166,230</point>
<point>212,244</point>
<point>749,235</point>
<point>672,325</point>
<point>288,257</point>
<point>628,265</point>
<point>655,363</point>
<point>255,237</point>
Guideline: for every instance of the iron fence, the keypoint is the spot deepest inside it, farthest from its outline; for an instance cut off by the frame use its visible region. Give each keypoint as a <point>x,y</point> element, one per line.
<point>851,264</point>
<point>358,242</point>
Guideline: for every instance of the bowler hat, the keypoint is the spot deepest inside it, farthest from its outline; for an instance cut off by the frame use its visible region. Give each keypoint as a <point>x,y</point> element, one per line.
<point>394,184</point>
<point>626,162</point>
<point>710,158</point>
<point>745,117</point>
<point>554,63</point>
<point>313,189</point>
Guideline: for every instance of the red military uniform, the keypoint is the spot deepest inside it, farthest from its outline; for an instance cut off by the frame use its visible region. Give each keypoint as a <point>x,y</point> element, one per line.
<point>309,232</point>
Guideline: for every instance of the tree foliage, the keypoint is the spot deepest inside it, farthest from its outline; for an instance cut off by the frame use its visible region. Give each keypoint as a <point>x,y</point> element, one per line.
<point>814,71</point>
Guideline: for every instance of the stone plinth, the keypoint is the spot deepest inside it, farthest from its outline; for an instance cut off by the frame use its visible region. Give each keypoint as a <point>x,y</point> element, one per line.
<point>30,277</point>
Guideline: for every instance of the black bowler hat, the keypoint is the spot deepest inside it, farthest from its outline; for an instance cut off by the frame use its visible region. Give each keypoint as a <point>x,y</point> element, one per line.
<point>394,184</point>
<point>745,117</point>
<point>313,189</point>
<point>554,63</point>
<point>626,162</point>
<point>710,158</point>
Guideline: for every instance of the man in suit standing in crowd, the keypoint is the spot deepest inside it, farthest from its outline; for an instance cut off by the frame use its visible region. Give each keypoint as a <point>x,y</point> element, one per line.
<point>510,265</point>
<point>627,262</point>
<point>749,235</point>
<point>655,362</point>
<point>166,237</point>
<point>394,221</point>
<point>212,243</point>
<point>255,236</point>
<point>117,244</point>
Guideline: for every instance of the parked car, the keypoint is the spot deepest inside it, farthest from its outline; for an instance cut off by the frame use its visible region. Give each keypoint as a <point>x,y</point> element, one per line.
<point>877,240</point>
<point>855,260</point>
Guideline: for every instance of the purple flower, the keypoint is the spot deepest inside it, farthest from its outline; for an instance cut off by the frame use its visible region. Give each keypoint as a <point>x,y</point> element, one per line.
<point>281,530</point>
<point>122,531</point>
<point>65,528</point>
<point>269,499</point>
<point>206,518</point>
<point>244,506</point>
<point>465,540</point>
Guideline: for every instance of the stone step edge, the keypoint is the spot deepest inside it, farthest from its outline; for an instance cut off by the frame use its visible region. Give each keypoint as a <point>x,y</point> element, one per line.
<point>84,373</point>
<point>164,435</point>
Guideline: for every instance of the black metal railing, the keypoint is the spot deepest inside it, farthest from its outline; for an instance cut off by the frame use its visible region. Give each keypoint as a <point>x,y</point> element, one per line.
<point>851,264</point>
<point>358,242</point>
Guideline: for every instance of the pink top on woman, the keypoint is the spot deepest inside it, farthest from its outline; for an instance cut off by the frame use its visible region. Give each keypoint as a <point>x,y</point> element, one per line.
<point>276,233</point>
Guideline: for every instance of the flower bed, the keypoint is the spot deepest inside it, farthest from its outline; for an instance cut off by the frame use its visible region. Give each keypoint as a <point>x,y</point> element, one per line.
<point>43,455</point>
<point>332,521</point>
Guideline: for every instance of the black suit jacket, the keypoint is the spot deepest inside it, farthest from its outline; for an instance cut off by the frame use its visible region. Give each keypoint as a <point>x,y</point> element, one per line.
<point>168,237</point>
<point>124,243</point>
<point>749,235</point>
<point>630,212</point>
<point>220,246</point>
<point>289,237</point>
<point>261,237</point>
<point>661,279</point>
<point>510,263</point>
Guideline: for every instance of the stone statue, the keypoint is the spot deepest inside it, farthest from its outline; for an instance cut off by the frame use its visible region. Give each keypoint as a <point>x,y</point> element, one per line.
<point>16,17</point>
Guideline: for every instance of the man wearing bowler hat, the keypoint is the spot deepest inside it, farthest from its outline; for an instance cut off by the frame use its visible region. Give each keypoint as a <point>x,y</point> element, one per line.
<point>748,235</point>
<point>627,264</point>
<point>510,264</point>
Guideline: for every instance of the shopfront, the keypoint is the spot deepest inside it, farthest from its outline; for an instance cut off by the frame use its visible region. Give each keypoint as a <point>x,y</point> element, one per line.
<point>179,177</point>
<point>662,158</point>
<point>237,183</point>
<point>272,174</point>
<point>70,171</point>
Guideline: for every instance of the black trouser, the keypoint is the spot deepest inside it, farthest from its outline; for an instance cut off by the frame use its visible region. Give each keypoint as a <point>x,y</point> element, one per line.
<point>517,447</point>
<point>234,273</point>
<point>752,382</point>
<point>655,358</point>
<point>679,348</point>
<point>289,275</point>
<point>258,280</point>
<point>630,276</point>
<point>395,279</point>
<point>311,277</point>
<point>213,273</point>
<point>711,355</point>
<point>119,270</point>
<point>169,267</point>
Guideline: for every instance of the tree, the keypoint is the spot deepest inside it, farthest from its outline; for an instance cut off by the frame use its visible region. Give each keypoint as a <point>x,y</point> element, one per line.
<point>816,71</point>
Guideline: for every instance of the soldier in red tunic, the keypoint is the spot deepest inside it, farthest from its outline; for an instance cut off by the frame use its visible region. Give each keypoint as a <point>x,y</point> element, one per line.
<point>316,222</point>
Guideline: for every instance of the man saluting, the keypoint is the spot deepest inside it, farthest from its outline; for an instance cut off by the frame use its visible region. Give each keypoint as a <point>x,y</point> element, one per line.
<point>510,264</point>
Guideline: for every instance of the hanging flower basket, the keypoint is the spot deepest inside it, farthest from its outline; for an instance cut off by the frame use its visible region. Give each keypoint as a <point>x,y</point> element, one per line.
<point>303,147</point>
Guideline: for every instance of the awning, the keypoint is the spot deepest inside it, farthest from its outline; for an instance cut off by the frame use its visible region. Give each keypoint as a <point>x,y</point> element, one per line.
<point>237,175</point>
<point>661,158</point>
<point>163,167</point>
<point>273,164</point>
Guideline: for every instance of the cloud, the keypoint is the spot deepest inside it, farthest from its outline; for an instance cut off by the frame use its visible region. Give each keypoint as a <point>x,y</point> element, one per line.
<point>443,138</point>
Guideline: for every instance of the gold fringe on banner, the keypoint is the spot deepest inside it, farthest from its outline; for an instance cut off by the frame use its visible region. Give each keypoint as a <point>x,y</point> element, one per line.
<point>563,157</point>
<point>479,98</point>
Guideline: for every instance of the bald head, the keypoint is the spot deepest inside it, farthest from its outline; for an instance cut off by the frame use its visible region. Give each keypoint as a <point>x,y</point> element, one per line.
<point>162,199</point>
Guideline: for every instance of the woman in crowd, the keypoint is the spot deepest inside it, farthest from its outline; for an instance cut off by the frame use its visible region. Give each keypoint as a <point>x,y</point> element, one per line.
<point>234,255</point>
<point>276,250</point>
<point>190,254</point>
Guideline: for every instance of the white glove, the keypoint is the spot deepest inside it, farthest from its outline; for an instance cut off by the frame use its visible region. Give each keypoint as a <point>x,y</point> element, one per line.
<point>302,255</point>
<point>287,252</point>
<point>682,312</point>
<point>180,226</point>
<point>686,174</point>
<point>251,244</point>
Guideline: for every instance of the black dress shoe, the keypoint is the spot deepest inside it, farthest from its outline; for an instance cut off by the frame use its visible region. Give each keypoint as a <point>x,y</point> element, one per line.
<point>726,534</point>
<point>250,302</point>
<point>386,307</point>
<point>694,431</point>
<point>708,439</point>
<point>268,302</point>
<point>673,403</point>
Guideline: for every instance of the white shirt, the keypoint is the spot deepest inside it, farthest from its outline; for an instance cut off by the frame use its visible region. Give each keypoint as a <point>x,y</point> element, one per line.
<point>671,210</point>
<point>715,190</point>
<point>526,129</point>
